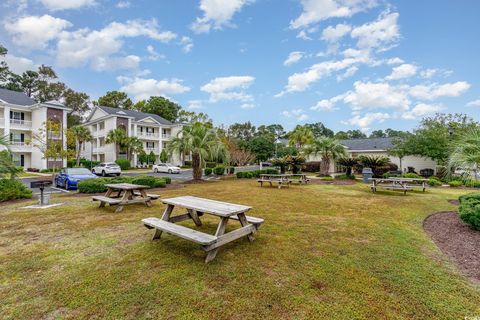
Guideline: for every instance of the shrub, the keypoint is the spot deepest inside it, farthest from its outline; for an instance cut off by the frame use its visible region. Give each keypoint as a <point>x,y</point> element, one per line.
<point>33,170</point>
<point>411,175</point>
<point>11,189</point>
<point>168,180</point>
<point>88,163</point>
<point>256,173</point>
<point>392,166</point>
<point>327,178</point>
<point>152,182</point>
<point>470,209</point>
<point>455,183</point>
<point>91,186</point>
<point>210,164</point>
<point>46,170</point>
<point>312,166</point>
<point>123,163</point>
<point>208,171</point>
<point>473,183</point>
<point>427,172</point>
<point>434,182</point>
<point>231,170</point>
<point>219,170</point>
<point>187,163</point>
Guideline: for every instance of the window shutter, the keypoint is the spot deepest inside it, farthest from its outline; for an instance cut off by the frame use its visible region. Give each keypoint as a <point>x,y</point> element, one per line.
<point>11,114</point>
<point>22,137</point>
<point>22,116</point>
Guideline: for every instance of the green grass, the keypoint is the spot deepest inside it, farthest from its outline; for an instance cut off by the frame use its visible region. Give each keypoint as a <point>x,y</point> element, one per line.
<point>324,252</point>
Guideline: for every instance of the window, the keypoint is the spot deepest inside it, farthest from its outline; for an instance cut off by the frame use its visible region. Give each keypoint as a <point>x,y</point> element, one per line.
<point>17,138</point>
<point>150,145</point>
<point>101,126</point>
<point>17,115</point>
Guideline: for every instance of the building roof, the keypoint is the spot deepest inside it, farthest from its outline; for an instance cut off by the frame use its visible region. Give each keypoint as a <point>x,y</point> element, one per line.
<point>15,97</point>
<point>137,115</point>
<point>380,144</point>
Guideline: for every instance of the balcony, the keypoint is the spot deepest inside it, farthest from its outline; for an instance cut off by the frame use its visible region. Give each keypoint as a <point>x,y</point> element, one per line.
<point>166,136</point>
<point>148,150</point>
<point>20,124</point>
<point>98,149</point>
<point>147,135</point>
<point>99,133</point>
<point>18,146</point>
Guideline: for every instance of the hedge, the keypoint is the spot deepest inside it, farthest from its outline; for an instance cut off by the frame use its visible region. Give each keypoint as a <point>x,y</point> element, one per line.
<point>219,170</point>
<point>97,185</point>
<point>470,209</point>
<point>11,189</point>
<point>455,183</point>
<point>208,171</point>
<point>210,165</point>
<point>123,163</point>
<point>255,174</point>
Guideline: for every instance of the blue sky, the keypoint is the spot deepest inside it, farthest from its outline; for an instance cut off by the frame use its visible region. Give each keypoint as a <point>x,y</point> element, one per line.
<point>351,64</point>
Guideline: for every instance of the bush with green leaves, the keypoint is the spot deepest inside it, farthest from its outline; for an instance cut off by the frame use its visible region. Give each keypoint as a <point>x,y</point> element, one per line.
<point>473,183</point>
<point>11,189</point>
<point>187,163</point>
<point>207,171</point>
<point>210,164</point>
<point>434,182</point>
<point>470,209</point>
<point>168,180</point>
<point>219,170</point>
<point>255,174</point>
<point>97,185</point>
<point>411,176</point>
<point>152,182</point>
<point>123,163</point>
<point>326,178</point>
<point>345,177</point>
<point>455,183</point>
<point>231,170</point>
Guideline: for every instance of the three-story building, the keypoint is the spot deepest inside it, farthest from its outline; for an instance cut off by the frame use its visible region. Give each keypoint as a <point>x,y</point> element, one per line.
<point>23,123</point>
<point>153,130</point>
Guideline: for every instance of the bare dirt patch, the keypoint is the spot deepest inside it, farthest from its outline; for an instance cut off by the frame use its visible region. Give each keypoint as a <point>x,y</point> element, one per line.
<point>456,240</point>
<point>454,202</point>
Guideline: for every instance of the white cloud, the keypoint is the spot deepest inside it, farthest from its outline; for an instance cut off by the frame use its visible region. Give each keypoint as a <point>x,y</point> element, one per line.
<point>34,32</point>
<point>434,91</point>
<point>333,34</point>
<point>349,73</point>
<point>395,60</point>
<point>142,88</point>
<point>111,63</point>
<point>428,73</point>
<point>303,35</point>
<point>376,95</point>
<point>421,110</point>
<point>402,71</point>
<point>217,14</point>
<point>18,65</point>
<point>92,47</point>
<point>123,4</point>
<point>187,44</point>
<point>195,104</point>
<point>298,114</point>
<point>56,5</point>
<point>293,58</point>
<point>367,119</point>
<point>229,88</point>
<point>315,11</point>
<point>377,34</point>
<point>323,105</point>
<point>154,55</point>
<point>247,106</point>
<point>474,103</point>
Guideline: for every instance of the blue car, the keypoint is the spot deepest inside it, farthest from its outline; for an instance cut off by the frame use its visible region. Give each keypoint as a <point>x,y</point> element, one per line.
<point>68,178</point>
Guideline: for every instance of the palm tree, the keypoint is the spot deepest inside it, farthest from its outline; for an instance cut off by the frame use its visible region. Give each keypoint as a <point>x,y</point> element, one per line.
<point>348,164</point>
<point>202,142</point>
<point>118,137</point>
<point>133,145</point>
<point>329,149</point>
<point>466,154</point>
<point>82,135</point>
<point>300,137</point>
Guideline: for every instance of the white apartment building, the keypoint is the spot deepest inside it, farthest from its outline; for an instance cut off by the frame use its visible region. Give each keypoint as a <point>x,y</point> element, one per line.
<point>153,130</point>
<point>23,122</point>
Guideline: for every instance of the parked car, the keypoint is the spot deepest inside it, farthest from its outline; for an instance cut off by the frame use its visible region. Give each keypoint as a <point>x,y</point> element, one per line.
<point>165,167</point>
<point>69,177</point>
<point>266,164</point>
<point>106,169</point>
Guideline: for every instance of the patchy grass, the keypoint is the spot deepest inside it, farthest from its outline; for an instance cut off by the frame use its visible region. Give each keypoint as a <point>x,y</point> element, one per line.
<point>325,251</point>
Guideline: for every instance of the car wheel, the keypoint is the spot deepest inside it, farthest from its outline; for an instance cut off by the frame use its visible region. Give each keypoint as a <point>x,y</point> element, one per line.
<point>156,170</point>
<point>169,171</point>
<point>118,174</point>
<point>93,171</point>
<point>104,174</point>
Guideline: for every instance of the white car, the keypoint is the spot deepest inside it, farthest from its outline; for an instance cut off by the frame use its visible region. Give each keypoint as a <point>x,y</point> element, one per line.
<point>165,167</point>
<point>106,169</point>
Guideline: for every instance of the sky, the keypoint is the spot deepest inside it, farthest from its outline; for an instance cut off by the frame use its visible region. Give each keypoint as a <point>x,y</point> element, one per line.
<point>351,64</point>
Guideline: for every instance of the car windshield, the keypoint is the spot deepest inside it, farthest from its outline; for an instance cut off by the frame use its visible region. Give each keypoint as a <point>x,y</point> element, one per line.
<point>111,164</point>
<point>169,164</point>
<point>78,171</point>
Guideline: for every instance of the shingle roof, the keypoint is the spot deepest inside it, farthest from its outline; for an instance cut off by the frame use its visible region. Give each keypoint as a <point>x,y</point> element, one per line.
<point>368,144</point>
<point>15,97</point>
<point>137,115</point>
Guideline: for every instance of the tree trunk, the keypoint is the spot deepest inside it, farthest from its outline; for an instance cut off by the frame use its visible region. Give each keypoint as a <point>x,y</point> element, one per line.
<point>78,153</point>
<point>197,169</point>
<point>325,166</point>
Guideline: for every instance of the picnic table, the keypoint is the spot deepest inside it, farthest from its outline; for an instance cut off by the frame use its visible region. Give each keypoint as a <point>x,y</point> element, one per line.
<point>197,207</point>
<point>401,184</point>
<point>122,194</point>
<point>282,179</point>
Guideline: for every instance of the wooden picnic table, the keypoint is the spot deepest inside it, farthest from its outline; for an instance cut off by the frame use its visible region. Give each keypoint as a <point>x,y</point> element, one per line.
<point>122,194</point>
<point>282,179</point>
<point>197,207</point>
<point>401,184</point>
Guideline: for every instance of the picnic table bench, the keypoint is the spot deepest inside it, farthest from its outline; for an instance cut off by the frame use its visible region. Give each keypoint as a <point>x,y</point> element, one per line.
<point>123,194</point>
<point>197,207</point>
<point>298,177</point>
<point>280,179</point>
<point>401,184</point>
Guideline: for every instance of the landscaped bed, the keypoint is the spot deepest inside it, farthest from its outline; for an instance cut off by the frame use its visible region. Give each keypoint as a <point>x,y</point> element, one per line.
<point>324,251</point>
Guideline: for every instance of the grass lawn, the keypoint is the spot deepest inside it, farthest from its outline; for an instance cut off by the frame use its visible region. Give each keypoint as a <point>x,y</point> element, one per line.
<point>324,252</point>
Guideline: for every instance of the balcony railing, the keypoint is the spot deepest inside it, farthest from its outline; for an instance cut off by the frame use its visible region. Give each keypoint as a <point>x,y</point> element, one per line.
<point>148,135</point>
<point>20,123</point>
<point>20,146</point>
<point>166,136</point>
<point>148,150</point>
<point>99,133</point>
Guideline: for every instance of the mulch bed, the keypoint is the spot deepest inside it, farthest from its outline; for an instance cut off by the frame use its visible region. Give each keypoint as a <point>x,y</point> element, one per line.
<point>456,240</point>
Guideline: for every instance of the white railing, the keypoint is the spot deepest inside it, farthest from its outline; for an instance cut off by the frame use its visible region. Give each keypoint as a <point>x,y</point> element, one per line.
<point>99,133</point>
<point>20,123</point>
<point>147,134</point>
<point>19,146</point>
<point>166,135</point>
<point>148,150</point>
<point>98,149</point>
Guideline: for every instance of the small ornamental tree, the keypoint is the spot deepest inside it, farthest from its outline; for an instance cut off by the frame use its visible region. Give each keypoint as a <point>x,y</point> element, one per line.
<point>152,158</point>
<point>163,156</point>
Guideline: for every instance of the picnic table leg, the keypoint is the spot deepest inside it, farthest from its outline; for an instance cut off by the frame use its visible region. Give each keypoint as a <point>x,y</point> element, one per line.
<point>244,222</point>
<point>195,217</point>
<point>107,194</point>
<point>144,195</point>
<point>165,217</point>
<point>220,231</point>
<point>125,198</point>
<point>424,186</point>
